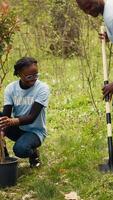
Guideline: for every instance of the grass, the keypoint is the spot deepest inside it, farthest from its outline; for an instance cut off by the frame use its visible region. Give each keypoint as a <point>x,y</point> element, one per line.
<point>75,145</point>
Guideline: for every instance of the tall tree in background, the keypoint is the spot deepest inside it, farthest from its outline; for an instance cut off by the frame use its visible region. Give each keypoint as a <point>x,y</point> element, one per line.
<point>65,22</point>
<point>53,24</point>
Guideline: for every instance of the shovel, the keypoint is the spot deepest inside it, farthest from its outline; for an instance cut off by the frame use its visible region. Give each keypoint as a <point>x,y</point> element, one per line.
<point>109,165</point>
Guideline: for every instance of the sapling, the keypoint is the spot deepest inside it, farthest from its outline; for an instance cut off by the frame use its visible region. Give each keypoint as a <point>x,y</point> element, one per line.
<point>9,24</point>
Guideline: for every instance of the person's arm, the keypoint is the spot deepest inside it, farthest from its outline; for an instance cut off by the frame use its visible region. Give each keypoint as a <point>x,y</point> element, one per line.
<point>31,117</point>
<point>41,101</point>
<point>23,120</point>
<point>7,109</point>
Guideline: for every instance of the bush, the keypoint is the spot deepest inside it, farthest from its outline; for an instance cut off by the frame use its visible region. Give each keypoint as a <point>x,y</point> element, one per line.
<point>9,24</point>
<point>65,23</point>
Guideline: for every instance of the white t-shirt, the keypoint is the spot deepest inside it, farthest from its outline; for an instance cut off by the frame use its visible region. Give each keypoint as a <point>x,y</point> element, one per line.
<point>108,18</point>
<point>22,101</point>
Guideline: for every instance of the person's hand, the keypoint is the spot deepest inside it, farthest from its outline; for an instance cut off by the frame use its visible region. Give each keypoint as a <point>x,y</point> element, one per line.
<point>6,122</point>
<point>108,90</point>
<point>104,36</point>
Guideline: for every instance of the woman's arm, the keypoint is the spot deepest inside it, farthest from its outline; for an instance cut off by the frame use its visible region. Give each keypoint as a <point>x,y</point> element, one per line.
<point>6,120</point>
<point>34,112</point>
<point>7,109</point>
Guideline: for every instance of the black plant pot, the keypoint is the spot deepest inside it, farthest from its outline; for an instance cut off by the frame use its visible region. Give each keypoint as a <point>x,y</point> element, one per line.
<point>8,172</point>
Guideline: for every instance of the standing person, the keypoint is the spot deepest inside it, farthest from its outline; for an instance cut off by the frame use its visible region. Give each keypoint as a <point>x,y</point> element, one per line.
<point>105,8</point>
<point>23,117</point>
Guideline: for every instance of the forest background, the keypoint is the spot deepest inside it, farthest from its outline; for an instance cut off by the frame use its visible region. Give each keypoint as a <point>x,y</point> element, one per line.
<point>66,44</point>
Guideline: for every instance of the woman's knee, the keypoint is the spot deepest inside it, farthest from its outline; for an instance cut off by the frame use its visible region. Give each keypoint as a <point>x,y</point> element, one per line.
<point>21,151</point>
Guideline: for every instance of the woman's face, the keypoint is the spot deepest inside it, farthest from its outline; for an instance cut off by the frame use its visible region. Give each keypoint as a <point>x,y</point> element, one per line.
<point>29,75</point>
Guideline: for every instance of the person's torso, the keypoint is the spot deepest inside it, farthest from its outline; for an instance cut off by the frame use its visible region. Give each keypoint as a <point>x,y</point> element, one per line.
<point>23,100</point>
<point>108,18</point>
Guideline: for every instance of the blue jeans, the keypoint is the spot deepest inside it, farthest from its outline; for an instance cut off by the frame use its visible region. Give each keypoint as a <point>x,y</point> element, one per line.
<point>25,143</point>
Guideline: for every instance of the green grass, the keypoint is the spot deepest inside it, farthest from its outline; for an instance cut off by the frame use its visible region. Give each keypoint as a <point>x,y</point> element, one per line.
<point>76,141</point>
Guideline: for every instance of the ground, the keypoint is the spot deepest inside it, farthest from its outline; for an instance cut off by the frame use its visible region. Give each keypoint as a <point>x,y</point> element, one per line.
<point>75,145</point>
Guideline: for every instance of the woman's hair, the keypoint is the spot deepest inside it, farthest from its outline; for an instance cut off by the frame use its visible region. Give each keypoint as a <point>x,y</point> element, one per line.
<point>23,62</point>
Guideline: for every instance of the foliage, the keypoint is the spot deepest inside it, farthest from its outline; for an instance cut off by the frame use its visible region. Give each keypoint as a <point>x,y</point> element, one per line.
<point>66,30</point>
<point>54,25</point>
<point>75,145</point>
<point>8,26</point>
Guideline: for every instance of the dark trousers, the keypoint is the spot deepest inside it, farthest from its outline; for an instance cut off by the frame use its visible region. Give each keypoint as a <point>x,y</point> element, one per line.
<point>25,143</point>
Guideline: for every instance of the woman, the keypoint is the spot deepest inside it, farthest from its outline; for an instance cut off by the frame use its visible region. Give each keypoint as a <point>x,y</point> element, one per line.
<point>23,116</point>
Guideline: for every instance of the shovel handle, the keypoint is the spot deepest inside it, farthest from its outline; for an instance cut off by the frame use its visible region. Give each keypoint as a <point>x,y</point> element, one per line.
<point>105,66</point>
<point>108,109</point>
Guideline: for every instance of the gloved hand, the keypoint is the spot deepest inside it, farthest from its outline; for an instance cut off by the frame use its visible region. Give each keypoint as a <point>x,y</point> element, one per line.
<point>6,122</point>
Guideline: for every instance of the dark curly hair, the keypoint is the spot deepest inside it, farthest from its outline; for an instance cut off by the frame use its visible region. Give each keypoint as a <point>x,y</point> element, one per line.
<point>23,62</point>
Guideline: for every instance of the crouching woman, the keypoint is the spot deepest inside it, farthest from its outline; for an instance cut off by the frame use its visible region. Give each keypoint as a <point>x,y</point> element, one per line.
<point>23,117</point>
